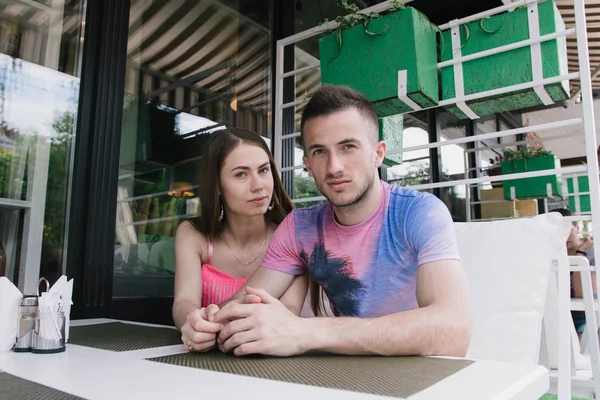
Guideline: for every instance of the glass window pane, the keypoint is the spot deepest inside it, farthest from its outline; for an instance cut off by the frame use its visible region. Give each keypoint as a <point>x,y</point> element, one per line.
<point>455,165</point>
<point>40,66</point>
<point>208,71</point>
<point>415,166</point>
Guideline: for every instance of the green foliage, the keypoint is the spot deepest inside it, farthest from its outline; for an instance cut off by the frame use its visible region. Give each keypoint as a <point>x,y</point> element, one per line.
<point>355,17</point>
<point>417,174</point>
<point>58,179</point>
<point>525,152</point>
<point>305,187</point>
<point>8,184</point>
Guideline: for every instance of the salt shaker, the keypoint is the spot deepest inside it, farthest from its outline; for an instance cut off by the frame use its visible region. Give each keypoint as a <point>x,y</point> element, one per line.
<point>26,323</point>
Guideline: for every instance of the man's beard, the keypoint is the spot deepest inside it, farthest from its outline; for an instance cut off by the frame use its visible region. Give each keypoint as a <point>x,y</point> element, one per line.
<point>356,200</point>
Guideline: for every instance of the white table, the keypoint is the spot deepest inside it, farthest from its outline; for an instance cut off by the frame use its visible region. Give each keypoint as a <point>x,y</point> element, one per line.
<point>98,374</point>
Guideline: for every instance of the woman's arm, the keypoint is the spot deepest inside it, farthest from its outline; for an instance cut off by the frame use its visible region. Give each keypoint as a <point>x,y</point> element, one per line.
<point>295,295</point>
<point>188,275</point>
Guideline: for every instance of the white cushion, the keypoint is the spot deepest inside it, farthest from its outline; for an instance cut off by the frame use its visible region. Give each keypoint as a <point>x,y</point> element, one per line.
<point>507,264</point>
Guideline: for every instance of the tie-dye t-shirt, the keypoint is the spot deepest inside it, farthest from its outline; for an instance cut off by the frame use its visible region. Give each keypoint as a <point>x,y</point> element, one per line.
<point>369,269</point>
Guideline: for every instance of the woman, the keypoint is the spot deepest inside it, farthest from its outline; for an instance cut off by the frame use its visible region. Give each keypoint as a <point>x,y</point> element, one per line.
<point>241,203</point>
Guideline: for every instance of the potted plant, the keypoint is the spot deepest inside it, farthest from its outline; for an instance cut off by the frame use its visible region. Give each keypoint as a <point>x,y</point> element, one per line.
<point>367,51</point>
<point>531,157</point>
<point>507,68</point>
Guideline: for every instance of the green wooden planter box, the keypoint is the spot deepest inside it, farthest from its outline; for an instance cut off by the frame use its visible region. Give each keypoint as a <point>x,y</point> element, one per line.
<point>531,188</point>
<point>370,64</point>
<point>508,68</point>
<point>584,200</point>
<point>391,131</point>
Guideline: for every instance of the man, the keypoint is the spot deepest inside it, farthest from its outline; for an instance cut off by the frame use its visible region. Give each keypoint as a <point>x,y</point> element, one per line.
<point>385,256</point>
<point>578,247</point>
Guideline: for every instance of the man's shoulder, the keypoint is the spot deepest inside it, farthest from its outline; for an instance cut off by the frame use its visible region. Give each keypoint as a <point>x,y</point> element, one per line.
<point>412,205</point>
<point>404,196</point>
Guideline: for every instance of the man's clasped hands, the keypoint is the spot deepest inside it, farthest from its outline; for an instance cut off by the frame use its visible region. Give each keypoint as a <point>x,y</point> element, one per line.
<point>255,323</point>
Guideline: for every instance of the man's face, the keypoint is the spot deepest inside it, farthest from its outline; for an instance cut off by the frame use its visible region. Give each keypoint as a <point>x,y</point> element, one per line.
<point>573,240</point>
<point>343,155</point>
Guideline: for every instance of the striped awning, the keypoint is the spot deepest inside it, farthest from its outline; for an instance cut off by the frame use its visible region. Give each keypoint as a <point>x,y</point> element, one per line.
<point>179,39</point>
<point>592,9</point>
<point>204,39</point>
<point>175,40</point>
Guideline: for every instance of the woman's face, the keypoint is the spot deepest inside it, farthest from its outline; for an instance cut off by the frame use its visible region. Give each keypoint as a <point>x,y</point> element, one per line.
<point>246,181</point>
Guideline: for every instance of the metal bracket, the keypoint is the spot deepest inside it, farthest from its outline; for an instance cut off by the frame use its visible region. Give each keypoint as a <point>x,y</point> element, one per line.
<point>459,83</point>
<point>536,53</point>
<point>402,91</point>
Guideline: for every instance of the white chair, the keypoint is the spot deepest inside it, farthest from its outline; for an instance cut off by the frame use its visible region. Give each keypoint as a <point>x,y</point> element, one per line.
<point>584,378</point>
<point>508,265</point>
<point>579,263</point>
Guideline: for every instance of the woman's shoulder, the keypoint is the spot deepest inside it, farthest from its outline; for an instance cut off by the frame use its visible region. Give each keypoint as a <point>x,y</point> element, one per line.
<point>188,233</point>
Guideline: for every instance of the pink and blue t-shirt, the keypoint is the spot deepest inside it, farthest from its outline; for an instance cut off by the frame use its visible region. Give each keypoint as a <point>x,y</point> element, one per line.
<point>369,269</point>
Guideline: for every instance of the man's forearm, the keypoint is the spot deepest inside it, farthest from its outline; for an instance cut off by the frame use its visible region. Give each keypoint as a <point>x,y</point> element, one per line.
<point>424,331</point>
<point>273,282</point>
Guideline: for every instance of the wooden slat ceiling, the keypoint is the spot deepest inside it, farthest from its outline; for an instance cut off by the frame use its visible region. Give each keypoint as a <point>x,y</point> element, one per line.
<point>592,10</point>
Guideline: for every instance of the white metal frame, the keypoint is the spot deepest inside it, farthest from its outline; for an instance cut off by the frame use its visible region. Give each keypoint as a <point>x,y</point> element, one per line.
<point>581,265</point>
<point>580,381</point>
<point>567,380</point>
<point>580,30</point>
<point>591,169</point>
<point>565,369</point>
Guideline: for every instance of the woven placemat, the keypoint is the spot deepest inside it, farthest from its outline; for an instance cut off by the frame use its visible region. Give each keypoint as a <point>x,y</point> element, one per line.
<point>387,376</point>
<point>15,388</point>
<point>117,336</point>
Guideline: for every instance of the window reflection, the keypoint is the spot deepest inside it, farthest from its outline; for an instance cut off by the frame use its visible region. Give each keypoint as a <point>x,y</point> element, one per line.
<point>40,64</point>
<point>193,68</point>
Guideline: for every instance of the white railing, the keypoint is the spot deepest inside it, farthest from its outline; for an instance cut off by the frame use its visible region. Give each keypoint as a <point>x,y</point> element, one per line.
<point>587,120</point>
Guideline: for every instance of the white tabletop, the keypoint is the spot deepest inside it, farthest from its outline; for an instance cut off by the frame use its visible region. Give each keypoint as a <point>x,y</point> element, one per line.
<point>98,374</point>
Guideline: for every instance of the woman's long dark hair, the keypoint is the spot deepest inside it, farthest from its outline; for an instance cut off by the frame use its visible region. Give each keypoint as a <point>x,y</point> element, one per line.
<point>219,146</point>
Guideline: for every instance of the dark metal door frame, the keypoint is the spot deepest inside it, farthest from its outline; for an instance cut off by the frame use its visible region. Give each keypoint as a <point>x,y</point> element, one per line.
<point>92,213</point>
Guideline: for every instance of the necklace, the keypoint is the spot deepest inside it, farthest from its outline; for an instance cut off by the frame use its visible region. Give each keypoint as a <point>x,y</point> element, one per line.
<point>251,261</point>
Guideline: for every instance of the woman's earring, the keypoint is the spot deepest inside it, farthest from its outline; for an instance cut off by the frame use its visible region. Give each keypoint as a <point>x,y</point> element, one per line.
<point>271,206</point>
<point>222,214</point>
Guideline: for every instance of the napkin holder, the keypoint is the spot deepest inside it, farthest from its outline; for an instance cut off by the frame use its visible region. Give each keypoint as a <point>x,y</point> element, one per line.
<point>41,323</point>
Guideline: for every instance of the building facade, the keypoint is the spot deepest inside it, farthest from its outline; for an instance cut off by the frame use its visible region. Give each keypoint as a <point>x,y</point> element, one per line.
<point>105,107</point>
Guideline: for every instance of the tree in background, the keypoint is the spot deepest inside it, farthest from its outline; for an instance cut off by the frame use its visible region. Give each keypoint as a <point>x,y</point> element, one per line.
<point>55,214</point>
<point>305,187</point>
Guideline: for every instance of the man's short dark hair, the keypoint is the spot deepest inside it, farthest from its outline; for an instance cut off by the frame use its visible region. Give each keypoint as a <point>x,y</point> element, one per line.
<point>330,99</point>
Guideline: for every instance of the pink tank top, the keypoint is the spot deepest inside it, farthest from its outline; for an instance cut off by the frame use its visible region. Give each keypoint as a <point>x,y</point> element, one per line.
<point>217,286</point>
